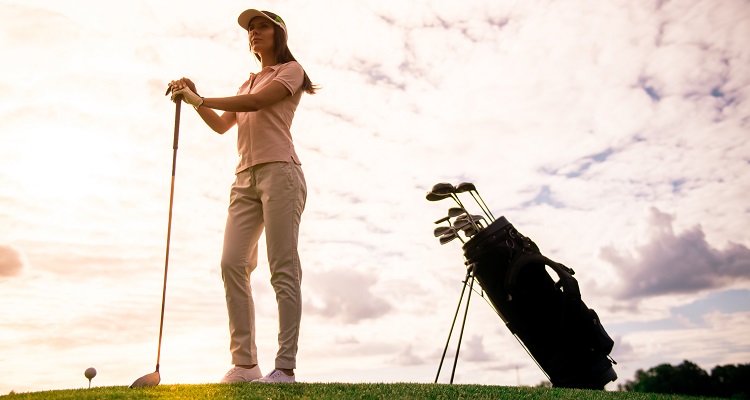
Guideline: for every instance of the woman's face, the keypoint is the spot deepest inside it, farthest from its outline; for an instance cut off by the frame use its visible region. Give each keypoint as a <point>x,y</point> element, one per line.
<point>260,35</point>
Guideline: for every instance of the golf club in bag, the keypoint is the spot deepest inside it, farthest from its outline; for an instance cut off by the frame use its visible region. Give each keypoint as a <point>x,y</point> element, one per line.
<point>153,379</point>
<point>546,315</point>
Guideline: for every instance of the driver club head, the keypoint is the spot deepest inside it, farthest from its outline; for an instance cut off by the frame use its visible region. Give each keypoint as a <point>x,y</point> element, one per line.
<point>148,380</point>
<point>465,187</point>
<point>432,196</point>
<point>471,188</point>
<point>443,188</point>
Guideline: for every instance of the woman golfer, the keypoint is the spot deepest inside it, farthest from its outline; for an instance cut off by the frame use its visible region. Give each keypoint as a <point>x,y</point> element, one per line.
<point>269,192</point>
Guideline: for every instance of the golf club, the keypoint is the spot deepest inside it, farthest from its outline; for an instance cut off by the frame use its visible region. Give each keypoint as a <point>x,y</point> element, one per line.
<point>435,197</point>
<point>470,232</point>
<point>444,190</point>
<point>470,187</point>
<point>449,237</point>
<point>476,218</point>
<point>441,220</point>
<point>442,230</point>
<point>455,212</point>
<point>465,227</point>
<point>460,224</point>
<point>452,213</point>
<point>153,379</point>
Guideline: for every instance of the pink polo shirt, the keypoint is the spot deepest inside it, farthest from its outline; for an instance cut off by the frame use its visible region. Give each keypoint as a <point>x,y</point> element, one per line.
<point>264,135</point>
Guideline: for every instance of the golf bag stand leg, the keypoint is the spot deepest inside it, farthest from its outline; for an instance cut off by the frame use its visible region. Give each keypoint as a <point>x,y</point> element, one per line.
<point>469,280</point>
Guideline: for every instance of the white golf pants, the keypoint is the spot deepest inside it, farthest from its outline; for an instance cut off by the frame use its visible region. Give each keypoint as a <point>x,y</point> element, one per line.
<point>270,196</point>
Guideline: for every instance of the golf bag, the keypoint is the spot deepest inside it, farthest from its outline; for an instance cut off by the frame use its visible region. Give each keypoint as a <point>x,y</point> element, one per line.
<point>559,331</point>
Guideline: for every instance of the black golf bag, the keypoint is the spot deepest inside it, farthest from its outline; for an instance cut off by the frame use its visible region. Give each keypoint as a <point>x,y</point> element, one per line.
<point>561,334</point>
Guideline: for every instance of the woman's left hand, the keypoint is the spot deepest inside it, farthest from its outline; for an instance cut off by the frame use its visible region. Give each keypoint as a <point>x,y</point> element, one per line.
<point>188,96</point>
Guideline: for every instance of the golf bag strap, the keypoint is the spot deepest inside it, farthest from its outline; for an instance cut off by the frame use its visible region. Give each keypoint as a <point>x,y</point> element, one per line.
<point>569,284</point>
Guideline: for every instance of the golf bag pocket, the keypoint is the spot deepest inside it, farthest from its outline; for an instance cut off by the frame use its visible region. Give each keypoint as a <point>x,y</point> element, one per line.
<point>600,340</point>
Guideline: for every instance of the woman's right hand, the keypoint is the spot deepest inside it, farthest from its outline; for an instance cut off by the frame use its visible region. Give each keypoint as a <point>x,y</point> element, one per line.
<point>182,83</point>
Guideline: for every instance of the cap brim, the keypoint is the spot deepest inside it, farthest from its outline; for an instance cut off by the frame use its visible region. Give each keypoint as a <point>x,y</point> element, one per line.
<point>248,15</point>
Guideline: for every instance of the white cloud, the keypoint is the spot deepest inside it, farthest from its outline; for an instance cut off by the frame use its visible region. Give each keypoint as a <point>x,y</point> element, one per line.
<point>475,351</point>
<point>676,264</point>
<point>344,295</point>
<point>407,357</point>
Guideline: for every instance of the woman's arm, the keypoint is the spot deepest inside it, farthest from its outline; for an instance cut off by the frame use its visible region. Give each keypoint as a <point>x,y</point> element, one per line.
<point>219,123</point>
<point>270,94</point>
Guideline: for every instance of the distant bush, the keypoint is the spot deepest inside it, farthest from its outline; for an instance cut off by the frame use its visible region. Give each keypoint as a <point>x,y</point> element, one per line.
<point>731,381</point>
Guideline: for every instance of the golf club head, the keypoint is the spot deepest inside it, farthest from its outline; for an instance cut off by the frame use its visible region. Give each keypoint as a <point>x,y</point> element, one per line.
<point>441,230</point>
<point>443,189</point>
<point>461,224</point>
<point>474,218</point>
<point>448,237</point>
<point>455,212</point>
<point>465,187</point>
<point>477,218</point>
<point>470,231</point>
<point>432,196</point>
<point>441,220</point>
<point>149,380</point>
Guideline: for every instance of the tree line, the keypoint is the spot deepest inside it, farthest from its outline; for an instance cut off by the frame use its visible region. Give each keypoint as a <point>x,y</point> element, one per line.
<point>731,381</point>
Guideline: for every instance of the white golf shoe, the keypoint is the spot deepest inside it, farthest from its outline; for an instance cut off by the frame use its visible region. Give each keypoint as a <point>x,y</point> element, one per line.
<point>276,376</point>
<point>239,374</point>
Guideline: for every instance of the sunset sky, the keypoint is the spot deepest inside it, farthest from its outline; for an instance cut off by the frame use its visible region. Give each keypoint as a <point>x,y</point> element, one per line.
<point>614,134</point>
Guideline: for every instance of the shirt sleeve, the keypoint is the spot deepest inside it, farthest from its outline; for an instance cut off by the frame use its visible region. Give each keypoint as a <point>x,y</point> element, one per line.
<point>291,75</point>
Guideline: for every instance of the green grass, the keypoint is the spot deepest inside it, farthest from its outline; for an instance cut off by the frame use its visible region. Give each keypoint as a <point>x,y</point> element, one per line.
<point>343,391</point>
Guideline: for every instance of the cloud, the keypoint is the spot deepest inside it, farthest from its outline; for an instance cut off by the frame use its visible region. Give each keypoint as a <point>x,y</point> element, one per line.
<point>676,264</point>
<point>345,295</point>
<point>407,357</point>
<point>475,350</point>
<point>623,350</point>
<point>11,261</point>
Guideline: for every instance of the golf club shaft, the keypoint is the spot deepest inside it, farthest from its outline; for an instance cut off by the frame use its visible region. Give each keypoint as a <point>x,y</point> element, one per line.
<point>454,196</point>
<point>485,211</point>
<point>485,204</point>
<point>178,102</point>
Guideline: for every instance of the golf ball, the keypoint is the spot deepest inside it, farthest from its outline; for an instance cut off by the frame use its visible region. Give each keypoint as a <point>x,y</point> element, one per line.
<point>90,373</point>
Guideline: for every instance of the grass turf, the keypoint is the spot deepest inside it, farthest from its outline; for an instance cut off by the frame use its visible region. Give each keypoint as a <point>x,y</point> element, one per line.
<point>338,391</point>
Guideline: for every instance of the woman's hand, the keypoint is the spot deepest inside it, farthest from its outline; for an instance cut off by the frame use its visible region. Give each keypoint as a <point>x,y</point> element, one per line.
<point>188,96</point>
<point>182,83</point>
<point>186,88</point>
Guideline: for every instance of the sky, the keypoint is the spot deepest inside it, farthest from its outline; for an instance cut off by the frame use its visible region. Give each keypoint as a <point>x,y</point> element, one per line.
<point>614,134</point>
